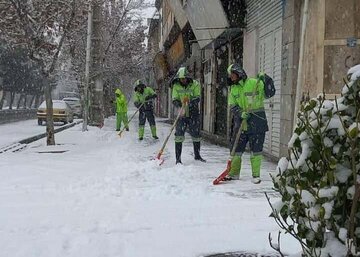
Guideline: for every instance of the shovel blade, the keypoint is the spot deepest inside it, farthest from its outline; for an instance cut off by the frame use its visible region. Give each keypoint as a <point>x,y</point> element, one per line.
<point>221,177</point>
<point>158,161</point>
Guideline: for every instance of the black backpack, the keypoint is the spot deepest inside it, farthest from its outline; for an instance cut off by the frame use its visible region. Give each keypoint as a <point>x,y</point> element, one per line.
<point>269,86</point>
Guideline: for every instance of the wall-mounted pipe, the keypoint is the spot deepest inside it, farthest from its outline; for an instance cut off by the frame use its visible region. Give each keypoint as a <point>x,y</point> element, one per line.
<point>299,80</point>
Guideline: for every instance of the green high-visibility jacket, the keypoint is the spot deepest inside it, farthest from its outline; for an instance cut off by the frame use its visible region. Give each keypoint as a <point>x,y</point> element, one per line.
<point>141,98</point>
<point>192,91</point>
<point>249,96</point>
<point>121,102</point>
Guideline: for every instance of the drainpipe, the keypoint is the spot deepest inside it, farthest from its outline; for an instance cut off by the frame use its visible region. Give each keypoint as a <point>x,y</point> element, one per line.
<point>299,80</point>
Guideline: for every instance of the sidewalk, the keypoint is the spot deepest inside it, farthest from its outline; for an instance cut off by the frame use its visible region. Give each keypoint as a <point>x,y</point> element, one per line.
<point>103,196</point>
<point>15,131</point>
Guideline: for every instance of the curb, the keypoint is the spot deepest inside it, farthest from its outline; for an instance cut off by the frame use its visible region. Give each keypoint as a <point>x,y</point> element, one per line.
<point>20,145</point>
<point>42,135</point>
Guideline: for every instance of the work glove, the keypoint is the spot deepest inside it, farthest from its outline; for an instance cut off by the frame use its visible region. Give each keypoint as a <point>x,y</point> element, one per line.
<point>185,100</point>
<point>264,77</point>
<point>245,115</point>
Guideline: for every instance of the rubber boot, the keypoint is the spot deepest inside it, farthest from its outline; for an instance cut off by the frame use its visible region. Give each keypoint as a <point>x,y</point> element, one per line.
<point>197,152</point>
<point>235,168</point>
<point>255,167</point>
<point>141,132</point>
<point>178,149</point>
<point>153,132</point>
<point>118,121</point>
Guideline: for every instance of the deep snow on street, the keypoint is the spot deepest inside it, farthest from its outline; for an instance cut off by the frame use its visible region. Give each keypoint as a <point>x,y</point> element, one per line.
<point>104,196</point>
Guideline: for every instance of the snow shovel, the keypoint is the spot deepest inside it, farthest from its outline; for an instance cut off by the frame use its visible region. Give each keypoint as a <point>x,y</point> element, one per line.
<point>122,130</point>
<point>158,157</point>
<point>232,154</point>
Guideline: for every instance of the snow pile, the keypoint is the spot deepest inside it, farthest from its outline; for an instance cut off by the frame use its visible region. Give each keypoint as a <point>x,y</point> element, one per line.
<point>317,181</point>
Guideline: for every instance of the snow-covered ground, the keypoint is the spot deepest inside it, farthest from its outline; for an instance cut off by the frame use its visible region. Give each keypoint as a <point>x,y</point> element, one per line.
<point>15,131</point>
<point>104,196</point>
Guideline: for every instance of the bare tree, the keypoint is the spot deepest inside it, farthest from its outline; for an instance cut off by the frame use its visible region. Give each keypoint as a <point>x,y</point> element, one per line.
<point>116,58</point>
<point>41,27</point>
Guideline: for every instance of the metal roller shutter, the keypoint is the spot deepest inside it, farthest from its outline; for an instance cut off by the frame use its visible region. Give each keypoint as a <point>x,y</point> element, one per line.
<point>266,16</point>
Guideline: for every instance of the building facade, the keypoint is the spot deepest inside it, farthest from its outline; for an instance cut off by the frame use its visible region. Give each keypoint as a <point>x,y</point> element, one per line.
<point>263,36</point>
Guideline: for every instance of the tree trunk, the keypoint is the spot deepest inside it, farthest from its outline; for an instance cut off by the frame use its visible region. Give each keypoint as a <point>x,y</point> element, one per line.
<point>50,134</point>
<point>107,96</point>
<point>12,96</point>
<point>97,87</point>
<point>25,101</point>
<point>32,101</point>
<point>37,100</point>
<point>19,101</point>
<point>86,94</point>
<point>2,99</point>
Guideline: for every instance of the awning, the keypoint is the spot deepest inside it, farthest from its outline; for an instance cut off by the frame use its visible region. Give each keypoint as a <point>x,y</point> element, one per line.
<point>207,19</point>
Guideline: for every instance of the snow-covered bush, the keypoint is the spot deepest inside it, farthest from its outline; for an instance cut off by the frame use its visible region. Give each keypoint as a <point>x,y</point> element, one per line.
<point>319,182</point>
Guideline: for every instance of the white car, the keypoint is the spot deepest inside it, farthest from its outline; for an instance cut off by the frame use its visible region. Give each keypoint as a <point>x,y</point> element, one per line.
<point>61,112</point>
<point>75,105</point>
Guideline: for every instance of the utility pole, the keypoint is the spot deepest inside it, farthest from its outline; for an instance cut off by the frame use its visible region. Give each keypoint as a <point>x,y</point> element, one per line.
<point>87,68</point>
<point>97,89</point>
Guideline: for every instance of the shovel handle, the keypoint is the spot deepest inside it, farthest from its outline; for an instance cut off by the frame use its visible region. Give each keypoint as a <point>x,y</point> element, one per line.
<point>171,130</point>
<point>122,130</point>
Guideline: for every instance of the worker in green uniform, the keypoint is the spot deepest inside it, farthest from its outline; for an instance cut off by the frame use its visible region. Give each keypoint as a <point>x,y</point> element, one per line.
<point>143,99</point>
<point>186,93</point>
<point>246,102</point>
<point>121,110</point>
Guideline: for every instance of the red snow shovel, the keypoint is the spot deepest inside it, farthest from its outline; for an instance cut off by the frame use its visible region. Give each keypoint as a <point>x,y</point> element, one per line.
<point>158,157</point>
<point>138,109</point>
<point>232,154</point>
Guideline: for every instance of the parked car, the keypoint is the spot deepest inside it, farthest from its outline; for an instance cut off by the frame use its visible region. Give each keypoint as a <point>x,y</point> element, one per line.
<point>61,111</point>
<point>75,105</point>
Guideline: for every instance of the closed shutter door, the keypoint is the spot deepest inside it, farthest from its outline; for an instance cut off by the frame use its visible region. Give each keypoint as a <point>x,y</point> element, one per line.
<point>263,13</point>
<point>268,21</point>
<point>270,63</point>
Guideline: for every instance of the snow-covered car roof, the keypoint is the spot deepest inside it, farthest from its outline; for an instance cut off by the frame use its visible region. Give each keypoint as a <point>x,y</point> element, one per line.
<point>57,104</point>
